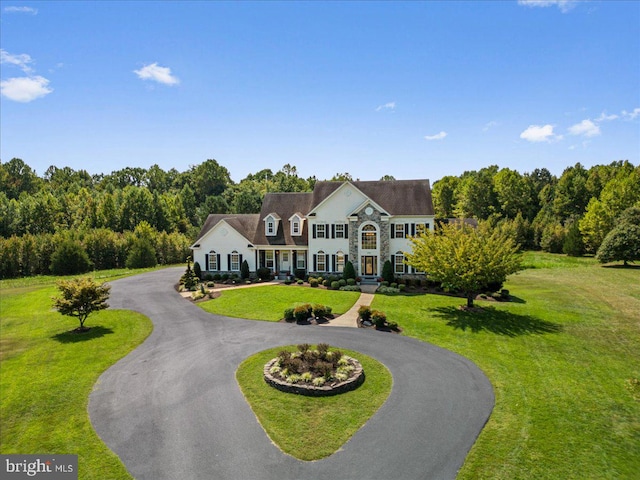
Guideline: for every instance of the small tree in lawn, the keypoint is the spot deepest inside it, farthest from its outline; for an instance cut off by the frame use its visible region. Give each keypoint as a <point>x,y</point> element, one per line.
<point>387,272</point>
<point>80,297</point>
<point>623,241</point>
<point>465,258</point>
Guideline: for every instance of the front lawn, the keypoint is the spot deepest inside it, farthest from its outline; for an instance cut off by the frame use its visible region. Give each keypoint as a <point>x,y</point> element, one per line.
<point>561,359</point>
<point>310,428</point>
<point>269,302</point>
<point>47,374</point>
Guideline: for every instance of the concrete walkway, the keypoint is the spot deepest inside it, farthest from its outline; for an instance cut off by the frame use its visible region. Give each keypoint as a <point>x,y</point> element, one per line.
<point>172,408</point>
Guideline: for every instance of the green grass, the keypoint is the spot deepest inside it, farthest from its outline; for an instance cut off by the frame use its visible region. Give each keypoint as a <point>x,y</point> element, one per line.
<point>47,374</point>
<point>269,302</point>
<point>560,359</point>
<point>311,428</point>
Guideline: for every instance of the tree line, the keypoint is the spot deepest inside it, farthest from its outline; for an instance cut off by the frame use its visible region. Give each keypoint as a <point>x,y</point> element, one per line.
<point>572,213</point>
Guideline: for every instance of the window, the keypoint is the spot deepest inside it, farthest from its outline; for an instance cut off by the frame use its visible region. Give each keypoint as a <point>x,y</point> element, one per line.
<point>295,227</point>
<point>421,228</point>
<point>235,261</point>
<point>369,238</point>
<point>300,260</point>
<point>340,261</point>
<point>320,230</point>
<point>271,227</point>
<point>213,261</point>
<point>399,230</point>
<point>285,256</point>
<point>321,262</point>
<point>268,258</point>
<point>340,227</point>
<point>399,262</point>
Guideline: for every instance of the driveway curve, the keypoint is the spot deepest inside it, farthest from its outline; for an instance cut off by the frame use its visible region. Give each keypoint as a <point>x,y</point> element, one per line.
<point>172,409</point>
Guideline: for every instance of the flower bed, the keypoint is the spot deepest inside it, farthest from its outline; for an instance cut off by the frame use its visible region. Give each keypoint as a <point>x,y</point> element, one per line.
<point>314,372</point>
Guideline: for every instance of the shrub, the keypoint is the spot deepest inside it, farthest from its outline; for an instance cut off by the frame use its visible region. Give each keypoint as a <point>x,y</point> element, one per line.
<point>320,311</point>
<point>244,270</point>
<point>288,314</point>
<point>264,273</point>
<point>313,282</point>
<point>302,312</point>
<point>197,270</point>
<point>351,281</point>
<point>299,273</point>
<point>401,287</point>
<point>387,271</point>
<point>388,290</point>
<point>217,277</point>
<point>394,285</point>
<point>364,312</point>
<point>327,283</point>
<point>335,285</point>
<point>350,288</point>
<point>379,318</point>
<point>69,258</point>
<point>349,271</point>
<point>342,282</point>
<point>189,279</point>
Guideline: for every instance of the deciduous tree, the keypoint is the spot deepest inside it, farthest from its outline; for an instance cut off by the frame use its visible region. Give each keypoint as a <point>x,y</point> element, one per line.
<point>80,297</point>
<point>464,258</point>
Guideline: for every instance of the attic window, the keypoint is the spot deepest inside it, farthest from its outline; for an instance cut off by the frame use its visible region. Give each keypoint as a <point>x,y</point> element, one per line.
<point>271,226</point>
<point>295,227</point>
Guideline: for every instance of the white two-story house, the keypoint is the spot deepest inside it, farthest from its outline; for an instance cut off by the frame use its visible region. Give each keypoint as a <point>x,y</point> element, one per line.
<point>366,223</point>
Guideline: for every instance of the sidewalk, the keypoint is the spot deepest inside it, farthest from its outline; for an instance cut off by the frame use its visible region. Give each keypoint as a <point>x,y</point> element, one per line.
<point>350,318</point>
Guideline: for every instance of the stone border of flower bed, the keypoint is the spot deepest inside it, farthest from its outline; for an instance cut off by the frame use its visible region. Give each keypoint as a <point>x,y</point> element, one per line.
<point>349,384</point>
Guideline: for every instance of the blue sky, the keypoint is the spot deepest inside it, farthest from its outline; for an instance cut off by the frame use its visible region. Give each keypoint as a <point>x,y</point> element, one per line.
<point>409,89</point>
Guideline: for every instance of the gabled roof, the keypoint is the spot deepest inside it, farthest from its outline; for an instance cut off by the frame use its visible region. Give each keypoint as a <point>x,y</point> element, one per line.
<point>397,197</point>
<point>286,204</point>
<point>244,223</point>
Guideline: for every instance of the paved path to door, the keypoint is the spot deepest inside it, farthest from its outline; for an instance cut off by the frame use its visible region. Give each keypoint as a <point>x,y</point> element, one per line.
<point>172,408</point>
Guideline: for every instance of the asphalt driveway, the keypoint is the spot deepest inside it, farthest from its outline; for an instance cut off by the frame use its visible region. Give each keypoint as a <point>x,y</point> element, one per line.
<point>172,408</point>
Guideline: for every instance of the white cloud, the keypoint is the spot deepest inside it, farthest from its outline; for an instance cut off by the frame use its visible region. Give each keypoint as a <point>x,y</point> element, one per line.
<point>12,9</point>
<point>386,106</point>
<point>606,118</point>
<point>540,133</point>
<point>21,61</point>
<point>157,74</point>
<point>25,89</point>
<point>631,115</point>
<point>489,125</point>
<point>586,128</point>
<point>563,5</point>
<point>437,136</point>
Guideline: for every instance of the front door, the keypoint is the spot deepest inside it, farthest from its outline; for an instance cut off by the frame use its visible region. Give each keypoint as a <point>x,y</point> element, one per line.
<point>284,262</point>
<point>370,265</point>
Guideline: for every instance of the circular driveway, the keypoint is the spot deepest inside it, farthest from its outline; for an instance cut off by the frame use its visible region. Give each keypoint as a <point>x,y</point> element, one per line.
<point>172,408</point>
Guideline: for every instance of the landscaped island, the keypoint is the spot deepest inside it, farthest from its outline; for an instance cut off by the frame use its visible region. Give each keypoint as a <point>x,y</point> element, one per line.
<point>314,372</point>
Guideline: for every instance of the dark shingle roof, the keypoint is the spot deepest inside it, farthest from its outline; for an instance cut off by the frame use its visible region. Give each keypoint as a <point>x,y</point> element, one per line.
<point>398,197</point>
<point>245,224</point>
<point>285,205</point>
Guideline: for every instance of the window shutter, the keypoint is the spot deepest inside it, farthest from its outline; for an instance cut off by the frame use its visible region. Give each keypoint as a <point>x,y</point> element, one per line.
<point>314,231</point>
<point>413,229</point>
<point>393,230</point>
<point>346,231</point>
<point>206,261</point>
<point>333,263</point>
<point>229,262</point>
<point>218,261</point>
<point>294,259</point>
<point>240,261</point>
<point>346,259</point>
<point>315,262</point>
<point>406,229</point>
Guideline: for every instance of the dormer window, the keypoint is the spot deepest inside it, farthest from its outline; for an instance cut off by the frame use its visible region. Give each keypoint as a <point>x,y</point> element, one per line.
<point>295,221</point>
<point>271,224</point>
